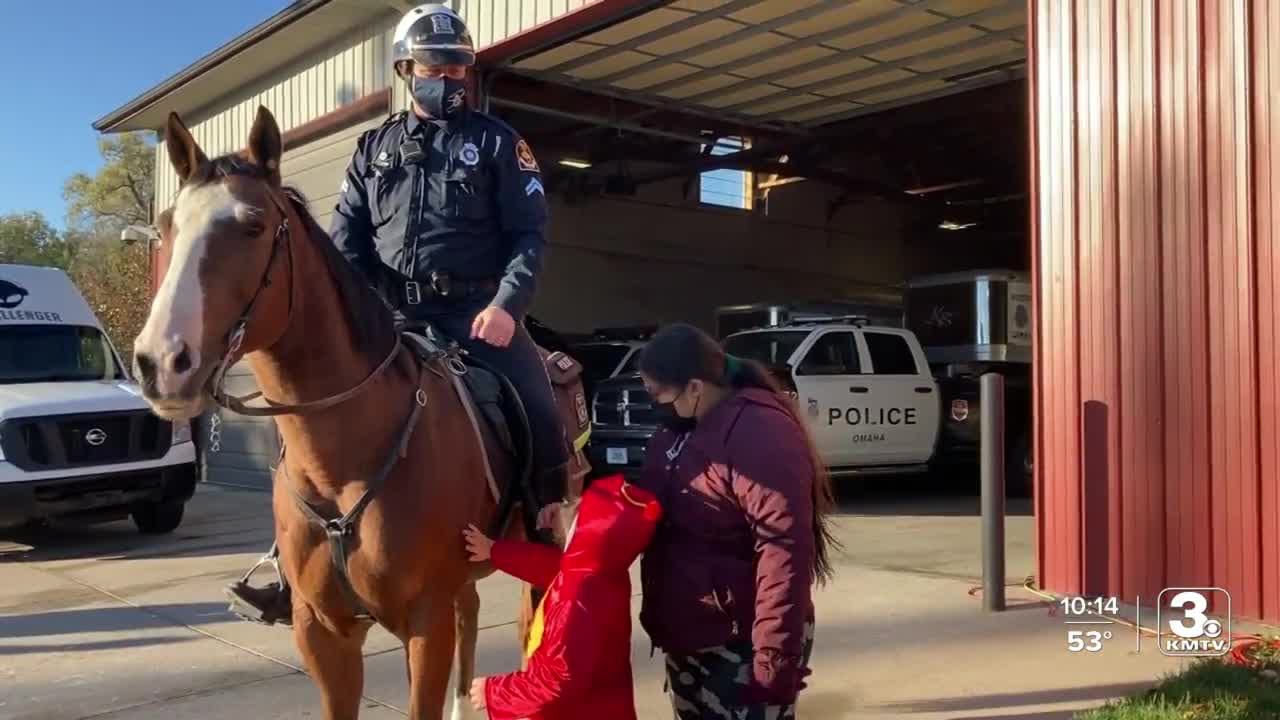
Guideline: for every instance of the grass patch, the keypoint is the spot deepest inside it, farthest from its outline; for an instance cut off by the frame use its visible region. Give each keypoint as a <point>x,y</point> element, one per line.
<point>1207,690</point>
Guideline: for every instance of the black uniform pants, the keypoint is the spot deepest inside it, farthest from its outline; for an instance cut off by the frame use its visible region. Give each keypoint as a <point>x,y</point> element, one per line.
<point>522,364</point>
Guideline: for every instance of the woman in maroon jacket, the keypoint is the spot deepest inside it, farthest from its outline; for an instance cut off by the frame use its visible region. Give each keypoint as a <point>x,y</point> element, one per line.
<point>727,578</point>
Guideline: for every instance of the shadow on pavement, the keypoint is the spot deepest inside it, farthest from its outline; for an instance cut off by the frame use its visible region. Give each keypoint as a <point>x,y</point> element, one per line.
<point>6,649</point>
<point>120,541</point>
<point>1035,697</point>
<point>87,620</point>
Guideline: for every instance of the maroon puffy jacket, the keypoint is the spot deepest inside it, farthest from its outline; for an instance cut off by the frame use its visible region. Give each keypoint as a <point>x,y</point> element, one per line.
<point>733,556</point>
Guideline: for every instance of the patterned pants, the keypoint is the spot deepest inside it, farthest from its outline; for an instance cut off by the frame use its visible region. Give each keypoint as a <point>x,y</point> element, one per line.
<point>708,685</point>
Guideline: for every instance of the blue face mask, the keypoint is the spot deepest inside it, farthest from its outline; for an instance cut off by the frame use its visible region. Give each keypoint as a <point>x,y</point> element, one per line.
<point>442,97</point>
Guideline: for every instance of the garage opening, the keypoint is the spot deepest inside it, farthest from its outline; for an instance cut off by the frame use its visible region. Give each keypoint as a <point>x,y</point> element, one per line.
<point>747,163</point>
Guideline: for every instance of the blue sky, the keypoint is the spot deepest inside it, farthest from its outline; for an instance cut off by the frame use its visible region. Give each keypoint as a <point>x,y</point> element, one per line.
<point>66,64</point>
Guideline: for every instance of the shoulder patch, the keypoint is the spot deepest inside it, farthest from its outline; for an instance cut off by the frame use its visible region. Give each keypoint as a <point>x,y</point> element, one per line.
<point>524,157</point>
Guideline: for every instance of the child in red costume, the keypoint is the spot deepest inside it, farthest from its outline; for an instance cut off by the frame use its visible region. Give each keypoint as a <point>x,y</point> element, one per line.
<point>579,659</point>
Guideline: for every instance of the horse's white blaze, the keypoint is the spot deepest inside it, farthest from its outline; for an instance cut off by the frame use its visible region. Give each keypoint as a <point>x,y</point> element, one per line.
<point>177,313</point>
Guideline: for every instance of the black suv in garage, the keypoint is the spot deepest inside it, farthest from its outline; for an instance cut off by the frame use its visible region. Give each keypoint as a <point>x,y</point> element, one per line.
<point>622,421</point>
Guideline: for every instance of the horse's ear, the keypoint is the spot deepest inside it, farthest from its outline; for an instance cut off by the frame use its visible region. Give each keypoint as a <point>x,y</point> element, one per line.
<point>265,145</point>
<point>184,152</point>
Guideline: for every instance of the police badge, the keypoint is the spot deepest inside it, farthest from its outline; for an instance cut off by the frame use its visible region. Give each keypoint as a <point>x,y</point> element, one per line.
<point>469,154</point>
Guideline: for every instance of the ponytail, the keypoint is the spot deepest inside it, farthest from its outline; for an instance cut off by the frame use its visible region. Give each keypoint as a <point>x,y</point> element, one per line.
<point>741,373</point>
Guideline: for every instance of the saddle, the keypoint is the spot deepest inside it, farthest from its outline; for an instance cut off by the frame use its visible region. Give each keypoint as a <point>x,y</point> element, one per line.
<point>499,417</point>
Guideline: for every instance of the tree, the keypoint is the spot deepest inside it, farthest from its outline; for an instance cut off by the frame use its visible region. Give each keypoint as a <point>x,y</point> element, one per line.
<point>120,193</point>
<point>113,276</point>
<point>115,280</point>
<point>29,239</point>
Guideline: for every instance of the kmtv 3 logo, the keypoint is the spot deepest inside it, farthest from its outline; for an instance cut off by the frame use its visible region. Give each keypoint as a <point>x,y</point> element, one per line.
<point>1185,628</point>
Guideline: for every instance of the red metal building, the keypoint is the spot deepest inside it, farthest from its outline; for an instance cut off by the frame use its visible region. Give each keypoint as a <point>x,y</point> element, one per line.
<point>1156,198</point>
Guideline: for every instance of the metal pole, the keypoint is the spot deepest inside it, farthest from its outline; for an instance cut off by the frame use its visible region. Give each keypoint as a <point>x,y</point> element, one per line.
<point>993,486</point>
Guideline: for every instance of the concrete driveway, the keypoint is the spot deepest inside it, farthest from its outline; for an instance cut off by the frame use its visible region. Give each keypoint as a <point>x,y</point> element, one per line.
<point>104,623</point>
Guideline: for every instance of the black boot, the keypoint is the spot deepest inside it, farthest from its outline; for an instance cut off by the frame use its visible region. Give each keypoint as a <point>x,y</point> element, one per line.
<point>267,605</point>
<point>552,486</point>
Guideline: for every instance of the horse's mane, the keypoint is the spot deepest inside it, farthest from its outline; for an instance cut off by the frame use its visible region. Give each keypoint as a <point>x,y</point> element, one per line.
<point>371,322</point>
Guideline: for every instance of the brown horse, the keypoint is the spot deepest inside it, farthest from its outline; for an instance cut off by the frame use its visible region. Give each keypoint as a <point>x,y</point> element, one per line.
<point>371,430</point>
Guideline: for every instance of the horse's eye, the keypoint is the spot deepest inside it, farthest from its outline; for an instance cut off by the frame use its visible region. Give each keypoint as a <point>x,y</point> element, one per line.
<point>254,229</point>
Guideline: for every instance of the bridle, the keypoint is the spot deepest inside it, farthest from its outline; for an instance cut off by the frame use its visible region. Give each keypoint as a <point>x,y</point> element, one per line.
<point>235,338</point>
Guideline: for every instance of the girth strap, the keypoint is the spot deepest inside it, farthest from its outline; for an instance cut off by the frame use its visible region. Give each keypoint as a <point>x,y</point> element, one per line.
<point>340,530</point>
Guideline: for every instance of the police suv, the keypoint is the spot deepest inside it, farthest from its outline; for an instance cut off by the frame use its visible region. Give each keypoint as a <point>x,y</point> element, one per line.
<point>867,392</point>
<point>77,441</point>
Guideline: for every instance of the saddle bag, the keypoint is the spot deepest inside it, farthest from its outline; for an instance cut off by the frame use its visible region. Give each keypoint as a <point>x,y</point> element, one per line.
<point>571,397</point>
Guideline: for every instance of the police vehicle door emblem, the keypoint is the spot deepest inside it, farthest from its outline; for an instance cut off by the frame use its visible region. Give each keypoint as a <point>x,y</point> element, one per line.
<point>469,154</point>
<point>441,24</point>
<point>813,408</point>
<point>524,157</point>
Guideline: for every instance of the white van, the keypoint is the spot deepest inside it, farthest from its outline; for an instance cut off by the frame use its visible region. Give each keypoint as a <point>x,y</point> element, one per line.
<point>77,441</point>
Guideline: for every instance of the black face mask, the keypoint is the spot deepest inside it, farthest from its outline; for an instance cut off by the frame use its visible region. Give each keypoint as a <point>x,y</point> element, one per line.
<point>441,97</point>
<point>673,421</point>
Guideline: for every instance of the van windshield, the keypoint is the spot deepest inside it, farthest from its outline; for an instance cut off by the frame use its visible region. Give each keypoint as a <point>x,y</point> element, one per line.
<point>55,353</point>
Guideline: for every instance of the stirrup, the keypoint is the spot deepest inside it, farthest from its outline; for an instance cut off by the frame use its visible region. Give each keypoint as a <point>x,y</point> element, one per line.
<point>274,600</point>
<point>272,558</point>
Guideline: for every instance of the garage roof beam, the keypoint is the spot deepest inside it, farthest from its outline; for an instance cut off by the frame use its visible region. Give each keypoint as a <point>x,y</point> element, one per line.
<point>903,64</point>
<point>865,50</point>
<point>693,20</point>
<point>833,33</point>
<point>977,83</point>
<point>1002,61</point>
<point>603,122</point>
<point>744,33</point>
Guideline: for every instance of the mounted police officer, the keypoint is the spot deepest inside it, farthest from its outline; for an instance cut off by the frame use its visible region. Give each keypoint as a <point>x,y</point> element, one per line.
<point>443,209</point>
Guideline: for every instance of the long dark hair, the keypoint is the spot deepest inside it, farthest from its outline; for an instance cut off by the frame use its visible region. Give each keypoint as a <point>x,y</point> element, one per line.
<point>680,353</point>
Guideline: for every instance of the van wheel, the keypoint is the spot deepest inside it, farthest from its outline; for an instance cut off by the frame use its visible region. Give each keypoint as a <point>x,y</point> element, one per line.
<point>158,518</point>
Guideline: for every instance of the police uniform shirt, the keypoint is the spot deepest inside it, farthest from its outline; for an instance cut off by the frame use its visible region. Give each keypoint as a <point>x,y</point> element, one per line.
<point>467,199</point>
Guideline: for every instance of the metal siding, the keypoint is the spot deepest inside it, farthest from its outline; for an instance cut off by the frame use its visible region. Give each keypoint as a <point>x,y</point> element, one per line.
<point>1034,113</point>
<point>338,75</point>
<point>1056,369</point>
<point>1097,318</point>
<point>1156,281</point>
<point>1266,52</point>
<point>492,21</point>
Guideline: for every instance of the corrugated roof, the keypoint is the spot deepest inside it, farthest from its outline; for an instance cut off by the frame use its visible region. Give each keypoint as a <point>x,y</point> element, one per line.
<point>797,63</point>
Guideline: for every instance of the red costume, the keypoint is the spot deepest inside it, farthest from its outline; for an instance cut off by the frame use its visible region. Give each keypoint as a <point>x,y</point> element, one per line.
<point>579,663</point>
